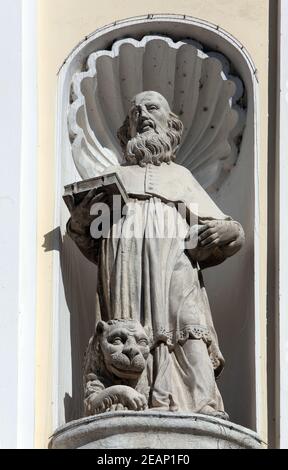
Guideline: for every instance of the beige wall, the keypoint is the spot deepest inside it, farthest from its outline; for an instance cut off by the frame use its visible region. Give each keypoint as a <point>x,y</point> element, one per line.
<point>63,24</point>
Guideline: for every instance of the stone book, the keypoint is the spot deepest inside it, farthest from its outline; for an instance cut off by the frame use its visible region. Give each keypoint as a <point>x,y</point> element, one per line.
<point>110,184</point>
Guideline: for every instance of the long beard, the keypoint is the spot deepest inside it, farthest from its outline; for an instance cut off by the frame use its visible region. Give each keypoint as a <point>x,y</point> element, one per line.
<point>151,147</point>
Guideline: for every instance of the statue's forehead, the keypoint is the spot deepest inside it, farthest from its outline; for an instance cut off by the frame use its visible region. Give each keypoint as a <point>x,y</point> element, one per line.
<point>151,97</point>
<point>130,327</point>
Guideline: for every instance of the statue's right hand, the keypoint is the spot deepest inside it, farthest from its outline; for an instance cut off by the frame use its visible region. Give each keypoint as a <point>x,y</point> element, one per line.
<point>81,218</point>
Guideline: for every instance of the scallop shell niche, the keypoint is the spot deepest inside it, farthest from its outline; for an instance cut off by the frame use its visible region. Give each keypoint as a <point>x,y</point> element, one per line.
<point>199,87</point>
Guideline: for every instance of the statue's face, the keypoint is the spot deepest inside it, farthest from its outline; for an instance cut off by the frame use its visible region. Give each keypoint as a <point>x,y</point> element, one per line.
<point>151,133</point>
<point>149,111</point>
<point>125,348</point>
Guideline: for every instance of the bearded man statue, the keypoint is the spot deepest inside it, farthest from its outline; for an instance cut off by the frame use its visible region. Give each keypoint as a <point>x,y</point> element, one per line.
<point>154,275</point>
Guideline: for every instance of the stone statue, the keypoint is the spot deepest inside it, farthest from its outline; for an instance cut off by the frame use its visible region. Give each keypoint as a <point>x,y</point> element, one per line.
<point>157,280</point>
<point>116,376</point>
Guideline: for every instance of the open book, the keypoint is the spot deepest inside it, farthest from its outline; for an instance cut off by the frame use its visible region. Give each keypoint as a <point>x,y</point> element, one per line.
<point>110,183</point>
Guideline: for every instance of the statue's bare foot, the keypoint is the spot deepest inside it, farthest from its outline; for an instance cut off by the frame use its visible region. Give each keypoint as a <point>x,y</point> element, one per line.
<point>208,410</point>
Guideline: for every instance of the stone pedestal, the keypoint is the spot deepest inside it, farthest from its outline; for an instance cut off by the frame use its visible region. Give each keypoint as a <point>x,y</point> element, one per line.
<point>153,430</point>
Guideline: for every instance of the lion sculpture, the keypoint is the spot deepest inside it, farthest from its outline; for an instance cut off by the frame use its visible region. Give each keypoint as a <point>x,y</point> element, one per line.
<point>115,371</point>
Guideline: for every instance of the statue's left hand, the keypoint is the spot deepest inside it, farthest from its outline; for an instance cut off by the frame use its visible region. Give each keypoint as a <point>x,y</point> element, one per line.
<point>218,233</point>
<point>214,240</point>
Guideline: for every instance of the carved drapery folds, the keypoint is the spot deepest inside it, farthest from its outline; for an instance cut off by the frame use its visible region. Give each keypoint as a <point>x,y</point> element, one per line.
<point>198,85</point>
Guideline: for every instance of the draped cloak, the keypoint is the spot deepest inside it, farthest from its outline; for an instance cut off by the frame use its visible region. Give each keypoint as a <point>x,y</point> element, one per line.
<point>150,276</point>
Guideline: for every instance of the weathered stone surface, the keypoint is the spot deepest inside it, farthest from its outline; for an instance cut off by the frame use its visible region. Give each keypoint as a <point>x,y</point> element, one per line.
<point>149,265</point>
<point>153,430</point>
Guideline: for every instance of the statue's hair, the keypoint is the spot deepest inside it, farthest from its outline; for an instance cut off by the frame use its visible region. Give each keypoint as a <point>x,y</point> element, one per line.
<point>153,144</point>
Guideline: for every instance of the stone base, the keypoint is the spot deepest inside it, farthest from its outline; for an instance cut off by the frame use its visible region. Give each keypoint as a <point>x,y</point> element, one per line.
<point>153,430</point>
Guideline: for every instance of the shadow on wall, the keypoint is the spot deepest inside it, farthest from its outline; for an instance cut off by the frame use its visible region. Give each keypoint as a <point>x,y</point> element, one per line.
<point>232,310</point>
<point>52,240</point>
<point>79,278</point>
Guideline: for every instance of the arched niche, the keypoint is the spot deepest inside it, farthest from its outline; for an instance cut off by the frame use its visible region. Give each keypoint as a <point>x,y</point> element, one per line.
<point>232,287</point>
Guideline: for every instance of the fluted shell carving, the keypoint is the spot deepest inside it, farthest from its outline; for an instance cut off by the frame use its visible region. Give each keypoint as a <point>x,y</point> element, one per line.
<point>197,85</point>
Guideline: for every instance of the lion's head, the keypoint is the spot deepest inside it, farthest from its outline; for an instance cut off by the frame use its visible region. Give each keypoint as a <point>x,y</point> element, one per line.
<point>125,347</point>
<point>119,347</point>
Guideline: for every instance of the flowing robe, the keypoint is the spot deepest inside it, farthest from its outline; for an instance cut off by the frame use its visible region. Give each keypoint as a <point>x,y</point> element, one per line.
<point>145,273</point>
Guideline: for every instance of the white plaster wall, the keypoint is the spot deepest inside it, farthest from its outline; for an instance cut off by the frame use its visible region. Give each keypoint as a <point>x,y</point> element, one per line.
<point>282,320</point>
<point>18,222</point>
<point>28,232</point>
<point>10,134</point>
